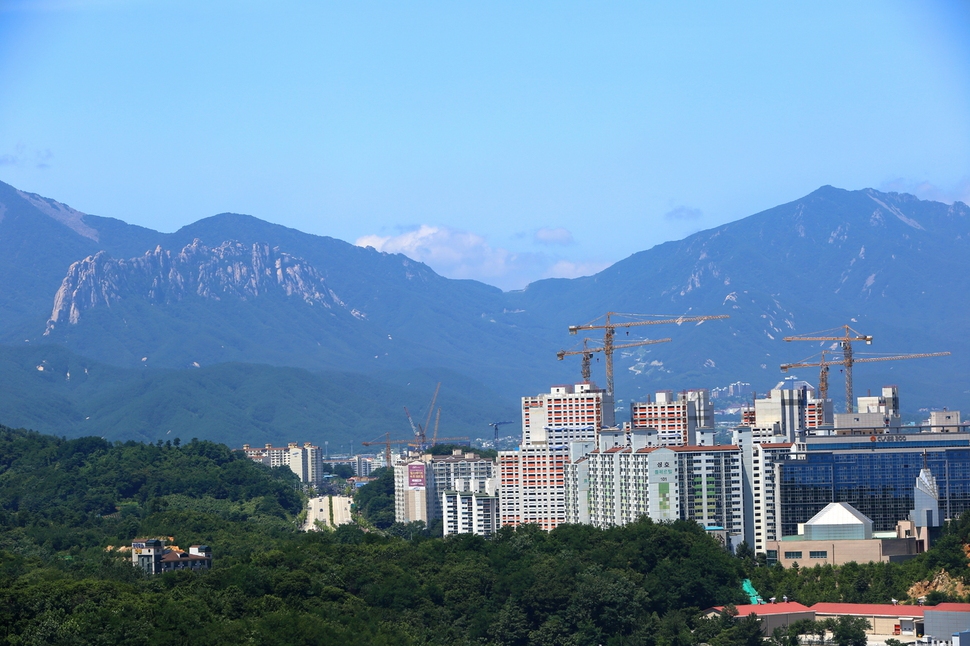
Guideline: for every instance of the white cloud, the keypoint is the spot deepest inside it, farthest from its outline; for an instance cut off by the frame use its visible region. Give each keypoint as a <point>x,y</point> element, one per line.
<point>569,269</point>
<point>553,236</point>
<point>462,254</point>
<point>459,254</point>
<point>960,191</point>
<point>683,213</point>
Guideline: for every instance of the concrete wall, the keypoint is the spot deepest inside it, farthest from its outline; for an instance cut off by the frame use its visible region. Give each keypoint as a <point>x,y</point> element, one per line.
<point>943,624</point>
<point>843,551</point>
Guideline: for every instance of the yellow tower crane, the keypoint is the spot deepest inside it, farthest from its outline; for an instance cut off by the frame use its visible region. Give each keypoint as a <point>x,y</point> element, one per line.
<point>609,332</point>
<point>387,442</point>
<point>823,364</point>
<point>846,341</point>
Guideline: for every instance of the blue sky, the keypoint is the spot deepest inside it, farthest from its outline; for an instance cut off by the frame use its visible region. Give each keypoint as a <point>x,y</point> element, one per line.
<point>505,142</point>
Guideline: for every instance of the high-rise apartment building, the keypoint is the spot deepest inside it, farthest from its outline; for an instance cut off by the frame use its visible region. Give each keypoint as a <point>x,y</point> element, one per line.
<point>305,460</point>
<point>470,512</point>
<point>420,482</point>
<point>792,406</point>
<point>565,414</point>
<point>675,416</point>
<point>761,451</point>
<point>532,486</point>
<point>624,483</point>
<point>576,483</point>
<point>711,486</point>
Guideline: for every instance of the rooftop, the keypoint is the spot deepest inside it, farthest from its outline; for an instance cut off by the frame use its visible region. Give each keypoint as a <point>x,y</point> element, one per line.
<point>694,447</point>
<point>839,513</point>
<point>766,609</point>
<point>870,609</point>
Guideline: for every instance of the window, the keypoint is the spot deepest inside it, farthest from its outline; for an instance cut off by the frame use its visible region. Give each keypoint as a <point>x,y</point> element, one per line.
<point>820,554</point>
<point>793,555</point>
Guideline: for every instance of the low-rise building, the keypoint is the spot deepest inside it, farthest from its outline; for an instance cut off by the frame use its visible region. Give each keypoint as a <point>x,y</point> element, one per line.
<point>152,556</point>
<point>883,618</point>
<point>946,620</point>
<point>770,615</point>
<point>841,534</point>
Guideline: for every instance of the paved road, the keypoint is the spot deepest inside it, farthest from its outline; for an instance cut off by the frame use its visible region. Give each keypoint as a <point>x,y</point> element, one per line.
<point>319,509</point>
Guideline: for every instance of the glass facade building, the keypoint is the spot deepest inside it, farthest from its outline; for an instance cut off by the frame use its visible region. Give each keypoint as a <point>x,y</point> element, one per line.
<point>874,474</point>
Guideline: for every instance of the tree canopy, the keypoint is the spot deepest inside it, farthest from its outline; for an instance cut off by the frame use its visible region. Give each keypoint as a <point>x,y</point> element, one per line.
<point>63,503</point>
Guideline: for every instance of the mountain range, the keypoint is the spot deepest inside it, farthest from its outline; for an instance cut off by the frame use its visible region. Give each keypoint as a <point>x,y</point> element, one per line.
<point>306,326</point>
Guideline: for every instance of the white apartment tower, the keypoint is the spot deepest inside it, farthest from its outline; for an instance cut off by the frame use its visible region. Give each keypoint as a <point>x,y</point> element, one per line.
<point>305,460</point>
<point>762,450</point>
<point>711,486</point>
<point>792,405</point>
<point>624,483</point>
<point>470,512</point>
<point>419,483</point>
<point>576,483</point>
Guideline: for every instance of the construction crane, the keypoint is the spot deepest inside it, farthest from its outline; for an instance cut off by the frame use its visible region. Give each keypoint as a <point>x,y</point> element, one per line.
<point>609,331</point>
<point>434,438</point>
<point>414,427</point>
<point>846,341</point>
<point>495,425</point>
<point>587,353</point>
<point>420,432</point>
<point>387,442</point>
<point>823,376</point>
<point>427,422</point>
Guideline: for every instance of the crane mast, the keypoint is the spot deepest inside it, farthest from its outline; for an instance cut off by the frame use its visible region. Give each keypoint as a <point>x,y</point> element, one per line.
<point>845,341</point>
<point>434,438</point>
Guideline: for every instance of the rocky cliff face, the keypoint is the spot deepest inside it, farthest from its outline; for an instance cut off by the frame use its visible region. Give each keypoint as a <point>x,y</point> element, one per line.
<point>231,270</point>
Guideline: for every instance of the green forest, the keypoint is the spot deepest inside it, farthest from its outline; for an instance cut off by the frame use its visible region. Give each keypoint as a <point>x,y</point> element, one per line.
<point>63,503</point>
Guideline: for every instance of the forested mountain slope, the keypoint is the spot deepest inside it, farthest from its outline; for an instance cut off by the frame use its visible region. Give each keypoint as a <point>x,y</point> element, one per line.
<point>234,289</point>
<point>63,502</point>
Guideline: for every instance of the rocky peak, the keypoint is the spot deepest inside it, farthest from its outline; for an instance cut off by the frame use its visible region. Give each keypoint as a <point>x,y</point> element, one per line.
<point>230,270</point>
